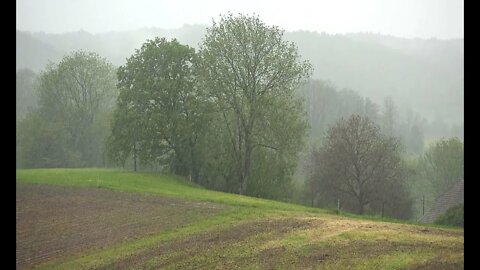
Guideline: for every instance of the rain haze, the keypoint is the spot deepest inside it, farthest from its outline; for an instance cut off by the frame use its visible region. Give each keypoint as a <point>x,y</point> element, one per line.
<point>442,19</point>
<point>246,134</point>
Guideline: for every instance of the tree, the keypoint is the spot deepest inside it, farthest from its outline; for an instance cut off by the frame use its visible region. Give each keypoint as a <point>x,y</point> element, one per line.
<point>40,143</point>
<point>371,110</point>
<point>251,75</point>
<point>160,113</point>
<point>415,137</point>
<point>350,102</point>
<point>443,164</point>
<point>26,98</point>
<point>322,105</point>
<point>325,105</point>
<point>454,216</point>
<point>389,117</point>
<point>75,97</point>
<point>313,184</point>
<point>358,165</point>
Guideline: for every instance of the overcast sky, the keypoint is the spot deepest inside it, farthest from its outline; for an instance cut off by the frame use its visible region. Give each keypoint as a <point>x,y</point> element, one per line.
<point>441,19</point>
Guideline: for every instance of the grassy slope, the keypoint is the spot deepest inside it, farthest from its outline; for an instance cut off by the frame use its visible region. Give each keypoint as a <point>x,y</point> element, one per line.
<point>325,241</point>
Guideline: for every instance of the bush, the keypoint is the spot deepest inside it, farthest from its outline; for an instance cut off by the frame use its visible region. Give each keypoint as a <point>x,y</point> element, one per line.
<point>453,217</point>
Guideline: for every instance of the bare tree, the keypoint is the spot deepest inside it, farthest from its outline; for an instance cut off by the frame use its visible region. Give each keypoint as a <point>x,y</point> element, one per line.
<point>358,164</point>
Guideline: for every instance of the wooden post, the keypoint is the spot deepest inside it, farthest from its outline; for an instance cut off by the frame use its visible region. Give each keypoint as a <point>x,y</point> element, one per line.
<point>423,205</point>
<point>313,195</point>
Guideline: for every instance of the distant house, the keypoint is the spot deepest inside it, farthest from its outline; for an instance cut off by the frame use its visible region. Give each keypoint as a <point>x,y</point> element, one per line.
<point>453,196</point>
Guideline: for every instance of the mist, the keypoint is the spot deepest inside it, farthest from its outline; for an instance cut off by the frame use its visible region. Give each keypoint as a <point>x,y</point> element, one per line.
<point>408,19</point>
<point>409,50</point>
<point>253,132</point>
<point>423,76</point>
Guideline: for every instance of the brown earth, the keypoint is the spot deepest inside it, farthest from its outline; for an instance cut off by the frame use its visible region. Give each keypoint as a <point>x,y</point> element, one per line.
<point>53,221</point>
<point>250,242</point>
<point>211,240</point>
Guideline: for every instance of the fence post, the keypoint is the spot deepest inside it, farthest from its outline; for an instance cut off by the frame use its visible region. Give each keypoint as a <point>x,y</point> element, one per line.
<point>423,205</point>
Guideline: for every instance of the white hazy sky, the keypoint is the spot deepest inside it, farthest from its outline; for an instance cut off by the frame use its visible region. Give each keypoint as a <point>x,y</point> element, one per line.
<point>441,19</point>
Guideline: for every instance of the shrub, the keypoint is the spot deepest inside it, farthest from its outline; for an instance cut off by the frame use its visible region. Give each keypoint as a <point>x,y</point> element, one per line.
<point>454,216</point>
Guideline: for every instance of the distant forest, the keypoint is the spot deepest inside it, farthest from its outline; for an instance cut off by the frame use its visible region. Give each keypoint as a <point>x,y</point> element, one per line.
<point>421,76</point>
<point>112,99</point>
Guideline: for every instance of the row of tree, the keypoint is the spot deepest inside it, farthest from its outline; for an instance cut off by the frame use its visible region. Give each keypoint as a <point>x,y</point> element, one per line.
<point>325,105</point>
<point>233,116</point>
<point>227,116</point>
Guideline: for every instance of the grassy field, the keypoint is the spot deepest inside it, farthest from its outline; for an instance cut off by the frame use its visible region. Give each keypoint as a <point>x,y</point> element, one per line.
<point>113,219</point>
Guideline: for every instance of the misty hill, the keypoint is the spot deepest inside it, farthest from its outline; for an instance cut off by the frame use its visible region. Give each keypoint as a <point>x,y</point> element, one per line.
<point>423,75</point>
<point>115,46</point>
<point>426,76</point>
<point>33,53</point>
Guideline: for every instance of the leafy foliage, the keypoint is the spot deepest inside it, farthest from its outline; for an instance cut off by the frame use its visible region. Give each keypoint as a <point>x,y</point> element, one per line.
<point>443,164</point>
<point>67,129</point>
<point>159,114</point>
<point>229,117</point>
<point>251,75</point>
<point>454,216</point>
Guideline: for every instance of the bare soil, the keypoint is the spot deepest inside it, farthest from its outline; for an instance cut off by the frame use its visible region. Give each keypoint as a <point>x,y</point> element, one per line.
<point>186,253</point>
<point>205,241</point>
<point>53,221</point>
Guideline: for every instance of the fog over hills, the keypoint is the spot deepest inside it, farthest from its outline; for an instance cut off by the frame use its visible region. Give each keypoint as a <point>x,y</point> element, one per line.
<point>423,75</point>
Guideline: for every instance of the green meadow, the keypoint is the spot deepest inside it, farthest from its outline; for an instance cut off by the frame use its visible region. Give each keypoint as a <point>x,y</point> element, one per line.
<point>236,232</point>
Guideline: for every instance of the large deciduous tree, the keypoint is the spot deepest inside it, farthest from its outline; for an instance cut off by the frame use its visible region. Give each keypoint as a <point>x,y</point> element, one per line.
<point>75,97</point>
<point>160,114</point>
<point>359,166</point>
<point>250,73</point>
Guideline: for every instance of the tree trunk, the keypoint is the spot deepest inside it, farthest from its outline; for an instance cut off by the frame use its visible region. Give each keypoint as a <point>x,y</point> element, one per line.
<point>247,163</point>
<point>360,209</point>
<point>193,163</point>
<point>360,204</point>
